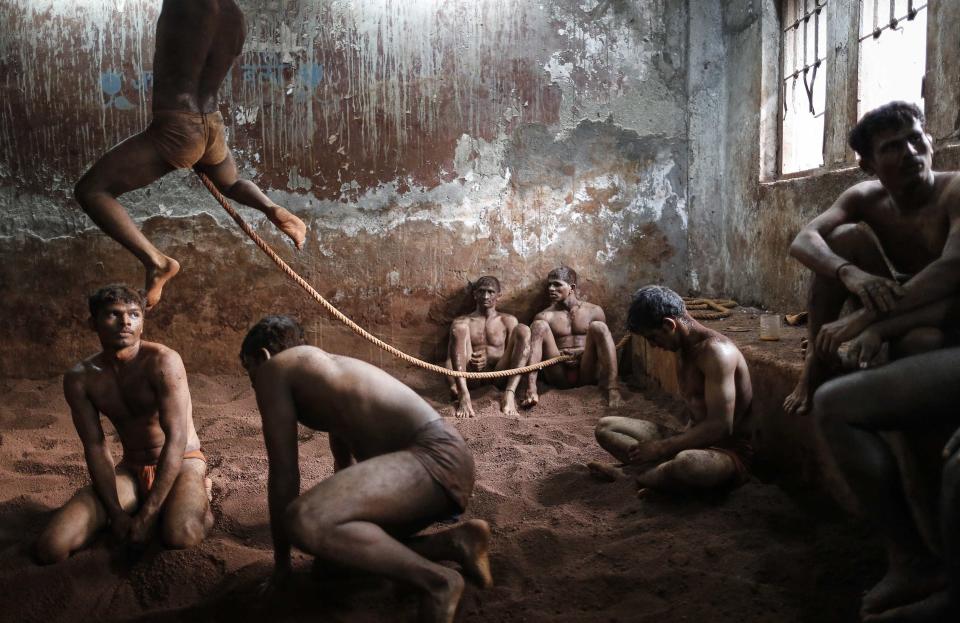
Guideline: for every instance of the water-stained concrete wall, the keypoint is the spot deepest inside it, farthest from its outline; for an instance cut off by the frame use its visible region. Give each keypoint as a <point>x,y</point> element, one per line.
<point>424,143</point>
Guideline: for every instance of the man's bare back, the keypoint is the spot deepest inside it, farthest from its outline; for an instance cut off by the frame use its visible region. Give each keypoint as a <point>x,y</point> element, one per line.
<point>197,43</point>
<point>691,376</point>
<point>356,402</point>
<point>398,467</point>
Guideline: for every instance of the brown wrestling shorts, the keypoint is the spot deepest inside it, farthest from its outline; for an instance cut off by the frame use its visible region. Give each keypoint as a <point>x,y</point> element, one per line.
<point>741,453</point>
<point>184,138</point>
<point>146,474</point>
<point>445,455</point>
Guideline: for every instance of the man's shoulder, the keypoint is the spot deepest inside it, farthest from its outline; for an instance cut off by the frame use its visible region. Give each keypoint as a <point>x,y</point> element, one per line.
<point>160,354</point>
<point>863,193</point>
<point>591,307</point>
<point>717,352</point>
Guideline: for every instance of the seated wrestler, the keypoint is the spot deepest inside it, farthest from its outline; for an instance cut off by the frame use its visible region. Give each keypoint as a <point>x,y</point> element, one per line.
<point>890,245</point>
<point>141,387</point>
<point>196,43</point>
<point>572,327</point>
<point>486,340</point>
<point>398,467</point>
<point>918,396</point>
<point>715,383</point>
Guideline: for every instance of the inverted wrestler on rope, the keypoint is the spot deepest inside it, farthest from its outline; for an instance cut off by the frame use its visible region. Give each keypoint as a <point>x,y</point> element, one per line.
<point>197,42</point>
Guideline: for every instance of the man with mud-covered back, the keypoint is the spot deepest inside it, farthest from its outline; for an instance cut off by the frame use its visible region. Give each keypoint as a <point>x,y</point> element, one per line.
<point>160,483</point>
<point>398,467</point>
<point>891,245</point>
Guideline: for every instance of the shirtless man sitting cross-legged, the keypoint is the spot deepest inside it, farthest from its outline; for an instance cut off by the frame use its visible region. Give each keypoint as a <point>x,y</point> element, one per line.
<point>196,43</point>
<point>141,387</point>
<point>486,340</point>
<point>715,384</point>
<point>891,244</point>
<point>572,327</point>
<point>412,469</point>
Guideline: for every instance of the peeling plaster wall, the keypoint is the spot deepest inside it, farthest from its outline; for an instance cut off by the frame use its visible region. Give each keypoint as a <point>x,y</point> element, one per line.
<point>424,143</point>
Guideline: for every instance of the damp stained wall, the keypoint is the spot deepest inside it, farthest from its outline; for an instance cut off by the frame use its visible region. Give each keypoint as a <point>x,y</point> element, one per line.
<point>425,143</point>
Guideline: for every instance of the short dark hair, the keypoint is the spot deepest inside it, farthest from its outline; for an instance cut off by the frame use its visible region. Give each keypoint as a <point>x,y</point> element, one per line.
<point>651,305</point>
<point>114,293</point>
<point>275,333</point>
<point>563,273</point>
<point>891,116</point>
<point>486,280</point>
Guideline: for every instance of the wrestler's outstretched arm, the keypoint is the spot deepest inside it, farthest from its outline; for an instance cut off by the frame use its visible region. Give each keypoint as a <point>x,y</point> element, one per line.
<point>279,418</point>
<point>169,382</point>
<point>100,464</point>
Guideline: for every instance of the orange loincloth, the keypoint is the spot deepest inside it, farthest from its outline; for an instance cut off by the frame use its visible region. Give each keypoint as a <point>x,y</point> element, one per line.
<point>184,138</point>
<point>146,474</point>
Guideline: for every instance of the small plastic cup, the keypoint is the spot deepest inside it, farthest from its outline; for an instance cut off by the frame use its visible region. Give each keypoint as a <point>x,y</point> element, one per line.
<point>770,325</point>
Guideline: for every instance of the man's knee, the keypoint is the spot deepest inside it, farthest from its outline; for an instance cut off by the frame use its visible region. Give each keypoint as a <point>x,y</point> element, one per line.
<point>52,548</point>
<point>920,340</point>
<point>848,239</point>
<point>523,332</point>
<point>539,328</point>
<point>307,529</point>
<point>184,534</point>
<point>603,427</point>
<point>599,328</point>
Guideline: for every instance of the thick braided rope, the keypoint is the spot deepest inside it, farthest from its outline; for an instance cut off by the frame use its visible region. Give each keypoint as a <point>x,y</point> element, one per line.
<point>260,242</point>
<point>700,308</point>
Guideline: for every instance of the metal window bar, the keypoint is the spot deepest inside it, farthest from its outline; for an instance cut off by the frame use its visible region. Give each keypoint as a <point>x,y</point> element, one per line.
<point>805,70</point>
<point>894,21</point>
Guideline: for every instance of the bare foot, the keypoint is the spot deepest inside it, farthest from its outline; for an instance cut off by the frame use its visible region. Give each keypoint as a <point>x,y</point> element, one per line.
<point>472,541</point>
<point>903,584</point>
<point>604,472</point>
<point>798,402</point>
<point>440,605</point>
<point>288,223</point>
<point>157,276</point>
<point>530,398</point>
<point>934,609</point>
<point>508,406</point>
<point>464,408</point>
<point>614,399</point>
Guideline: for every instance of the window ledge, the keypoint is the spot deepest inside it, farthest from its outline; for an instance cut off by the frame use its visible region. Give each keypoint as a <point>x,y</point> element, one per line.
<point>841,169</point>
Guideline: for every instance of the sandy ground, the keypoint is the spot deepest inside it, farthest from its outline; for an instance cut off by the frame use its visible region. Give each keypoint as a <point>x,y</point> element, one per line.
<point>565,547</point>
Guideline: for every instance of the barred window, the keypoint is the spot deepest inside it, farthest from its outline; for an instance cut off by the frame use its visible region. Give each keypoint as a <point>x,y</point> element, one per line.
<point>893,52</point>
<point>803,85</point>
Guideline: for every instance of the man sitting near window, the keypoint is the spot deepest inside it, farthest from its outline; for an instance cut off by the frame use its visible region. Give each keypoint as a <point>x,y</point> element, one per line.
<point>893,244</point>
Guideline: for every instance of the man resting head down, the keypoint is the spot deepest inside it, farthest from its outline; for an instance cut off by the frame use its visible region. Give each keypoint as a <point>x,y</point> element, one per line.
<point>398,467</point>
<point>141,387</point>
<point>715,383</point>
